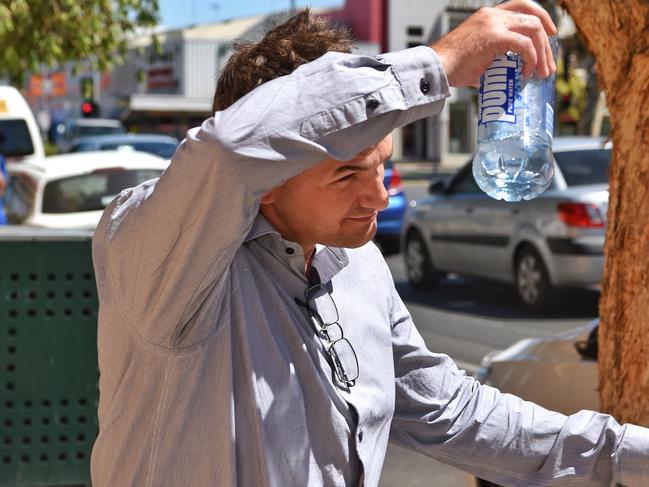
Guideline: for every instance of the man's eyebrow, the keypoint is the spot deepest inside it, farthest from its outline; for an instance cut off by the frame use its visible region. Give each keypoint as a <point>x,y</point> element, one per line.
<point>353,167</point>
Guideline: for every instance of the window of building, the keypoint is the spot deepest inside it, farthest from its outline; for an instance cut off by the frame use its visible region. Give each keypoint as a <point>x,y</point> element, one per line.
<point>455,18</point>
<point>414,139</point>
<point>459,127</point>
<point>415,31</point>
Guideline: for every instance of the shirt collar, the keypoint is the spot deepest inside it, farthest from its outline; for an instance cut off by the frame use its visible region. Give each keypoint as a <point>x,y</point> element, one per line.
<point>260,227</point>
<point>327,260</point>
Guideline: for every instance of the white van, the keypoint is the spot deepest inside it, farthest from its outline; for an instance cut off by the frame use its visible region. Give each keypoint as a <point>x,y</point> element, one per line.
<point>20,137</point>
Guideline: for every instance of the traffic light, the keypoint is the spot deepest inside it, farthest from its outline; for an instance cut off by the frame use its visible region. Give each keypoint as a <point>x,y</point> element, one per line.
<point>89,109</point>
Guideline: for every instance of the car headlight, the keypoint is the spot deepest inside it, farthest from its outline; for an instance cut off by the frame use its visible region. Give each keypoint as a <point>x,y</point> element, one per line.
<point>482,374</point>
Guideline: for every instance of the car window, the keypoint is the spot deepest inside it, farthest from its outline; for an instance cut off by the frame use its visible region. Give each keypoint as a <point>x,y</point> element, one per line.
<point>15,137</point>
<point>86,130</point>
<point>162,149</point>
<point>82,147</point>
<point>91,192</point>
<point>19,198</point>
<point>583,167</point>
<point>464,182</point>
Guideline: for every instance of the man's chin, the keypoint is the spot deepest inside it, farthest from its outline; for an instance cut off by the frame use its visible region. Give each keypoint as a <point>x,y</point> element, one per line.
<point>352,241</point>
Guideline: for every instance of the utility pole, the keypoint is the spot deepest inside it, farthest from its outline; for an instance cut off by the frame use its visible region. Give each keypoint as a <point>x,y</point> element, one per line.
<point>292,6</point>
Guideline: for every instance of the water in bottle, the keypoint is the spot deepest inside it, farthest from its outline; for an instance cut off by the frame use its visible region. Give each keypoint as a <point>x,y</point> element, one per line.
<point>513,159</point>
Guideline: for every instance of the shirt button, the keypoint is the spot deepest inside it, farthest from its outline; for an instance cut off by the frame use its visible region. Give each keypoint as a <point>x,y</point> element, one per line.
<point>360,436</point>
<point>290,250</point>
<point>372,104</point>
<point>424,85</point>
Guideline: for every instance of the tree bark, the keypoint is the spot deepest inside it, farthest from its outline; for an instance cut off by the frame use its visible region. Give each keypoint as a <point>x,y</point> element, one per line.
<point>616,32</point>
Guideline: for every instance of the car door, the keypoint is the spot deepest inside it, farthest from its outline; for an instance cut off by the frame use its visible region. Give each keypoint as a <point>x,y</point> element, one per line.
<point>454,230</point>
<point>494,222</point>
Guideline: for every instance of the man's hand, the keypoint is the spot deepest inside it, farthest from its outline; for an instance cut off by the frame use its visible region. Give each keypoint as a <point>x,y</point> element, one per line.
<point>519,26</point>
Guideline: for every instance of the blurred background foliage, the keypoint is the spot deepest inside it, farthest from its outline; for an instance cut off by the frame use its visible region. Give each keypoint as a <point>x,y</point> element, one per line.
<point>50,32</point>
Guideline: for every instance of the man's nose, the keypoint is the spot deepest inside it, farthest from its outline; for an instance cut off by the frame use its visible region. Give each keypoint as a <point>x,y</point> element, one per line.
<point>375,195</point>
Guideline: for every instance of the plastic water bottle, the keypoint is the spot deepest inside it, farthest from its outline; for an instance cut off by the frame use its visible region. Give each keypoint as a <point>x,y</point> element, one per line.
<point>513,159</point>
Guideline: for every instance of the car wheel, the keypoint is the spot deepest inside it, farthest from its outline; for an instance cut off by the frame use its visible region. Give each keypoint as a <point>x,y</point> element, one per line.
<point>486,483</point>
<point>388,245</point>
<point>532,282</point>
<point>419,265</point>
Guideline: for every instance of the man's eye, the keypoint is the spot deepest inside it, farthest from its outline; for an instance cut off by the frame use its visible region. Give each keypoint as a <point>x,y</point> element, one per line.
<point>347,177</point>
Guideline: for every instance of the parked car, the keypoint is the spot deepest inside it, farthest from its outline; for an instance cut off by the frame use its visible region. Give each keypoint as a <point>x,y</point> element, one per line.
<point>72,190</point>
<point>69,131</point>
<point>558,372</point>
<point>555,240</point>
<point>20,137</point>
<point>390,220</point>
<point>160,145</point>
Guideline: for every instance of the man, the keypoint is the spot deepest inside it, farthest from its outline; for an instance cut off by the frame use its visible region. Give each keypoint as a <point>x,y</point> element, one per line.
<point>250,333</point>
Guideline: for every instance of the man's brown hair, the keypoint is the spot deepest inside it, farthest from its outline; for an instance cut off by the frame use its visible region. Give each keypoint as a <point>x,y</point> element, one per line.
<point>301,39</point>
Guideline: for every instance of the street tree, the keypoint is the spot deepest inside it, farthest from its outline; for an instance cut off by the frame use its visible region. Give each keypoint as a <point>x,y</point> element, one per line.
<point>616,32</point>
<point>49,32</point>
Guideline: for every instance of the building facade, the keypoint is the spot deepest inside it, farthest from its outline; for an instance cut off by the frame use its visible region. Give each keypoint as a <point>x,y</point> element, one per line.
<point>448,138</point>
<point>170,89</point>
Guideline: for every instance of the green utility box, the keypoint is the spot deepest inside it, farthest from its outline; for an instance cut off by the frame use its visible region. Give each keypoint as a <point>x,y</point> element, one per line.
<point>48,357</point>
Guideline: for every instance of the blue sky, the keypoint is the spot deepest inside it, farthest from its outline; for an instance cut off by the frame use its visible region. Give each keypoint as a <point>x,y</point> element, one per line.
<point>179,13</point>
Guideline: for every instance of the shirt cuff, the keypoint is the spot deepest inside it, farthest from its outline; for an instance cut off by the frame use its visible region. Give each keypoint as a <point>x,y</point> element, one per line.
<point>633,456</point>
<point>421,74</point>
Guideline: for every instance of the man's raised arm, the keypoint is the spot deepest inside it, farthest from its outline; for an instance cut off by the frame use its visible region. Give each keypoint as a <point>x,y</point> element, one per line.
<point>162,245</point>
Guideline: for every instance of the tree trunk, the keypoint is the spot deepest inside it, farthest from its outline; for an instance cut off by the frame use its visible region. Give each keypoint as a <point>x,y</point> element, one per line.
<point>616,32</point>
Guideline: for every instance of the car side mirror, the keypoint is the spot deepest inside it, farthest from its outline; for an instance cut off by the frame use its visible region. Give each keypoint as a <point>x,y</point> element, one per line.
<point>587,349</point>
<point>437,187</point>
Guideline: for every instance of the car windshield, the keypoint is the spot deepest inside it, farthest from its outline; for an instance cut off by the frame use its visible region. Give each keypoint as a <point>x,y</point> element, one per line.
<point>91,192</point>
<point>86,130</point>
<point>15,138</point>
<point>584,167</point>
<point>162,149</point>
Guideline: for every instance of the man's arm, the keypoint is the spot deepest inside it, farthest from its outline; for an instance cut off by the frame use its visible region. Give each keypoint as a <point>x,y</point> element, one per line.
<point>162,246</point>
<point>448,416</point>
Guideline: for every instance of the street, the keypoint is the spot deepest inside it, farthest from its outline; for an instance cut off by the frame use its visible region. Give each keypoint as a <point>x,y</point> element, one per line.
<point>466,319</point>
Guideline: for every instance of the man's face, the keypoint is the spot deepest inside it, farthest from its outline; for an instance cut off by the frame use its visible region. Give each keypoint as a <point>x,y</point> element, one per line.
<point>334,203</point>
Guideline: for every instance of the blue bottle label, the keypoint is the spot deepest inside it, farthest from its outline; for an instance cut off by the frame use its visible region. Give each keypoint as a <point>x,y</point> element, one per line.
<point>499,90</point>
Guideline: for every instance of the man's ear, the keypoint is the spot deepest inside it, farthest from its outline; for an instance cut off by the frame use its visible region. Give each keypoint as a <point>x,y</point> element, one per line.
<point>268,198</point>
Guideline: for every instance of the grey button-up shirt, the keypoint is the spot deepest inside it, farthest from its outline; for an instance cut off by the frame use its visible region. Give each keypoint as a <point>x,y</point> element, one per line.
<point>212,374</point>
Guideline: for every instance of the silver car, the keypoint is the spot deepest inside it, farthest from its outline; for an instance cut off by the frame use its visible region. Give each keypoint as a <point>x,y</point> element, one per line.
<point>553,241</point>
<point>558,372</point>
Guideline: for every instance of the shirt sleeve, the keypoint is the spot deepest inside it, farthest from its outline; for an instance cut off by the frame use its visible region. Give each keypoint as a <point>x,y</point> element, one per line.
<point>162,246</point>
<point>444,414</point>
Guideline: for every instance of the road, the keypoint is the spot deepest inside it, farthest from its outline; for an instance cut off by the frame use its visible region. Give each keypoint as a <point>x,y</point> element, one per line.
<point>466,319</point>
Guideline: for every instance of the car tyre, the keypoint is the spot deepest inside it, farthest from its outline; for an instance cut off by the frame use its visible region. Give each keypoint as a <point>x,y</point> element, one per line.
<point>388,245</point>
<point>532,282</point>
<point>486,483</point>
<point>419,265</point>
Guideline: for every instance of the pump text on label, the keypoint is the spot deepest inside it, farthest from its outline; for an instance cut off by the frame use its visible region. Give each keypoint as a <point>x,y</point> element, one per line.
<point>498,91</point>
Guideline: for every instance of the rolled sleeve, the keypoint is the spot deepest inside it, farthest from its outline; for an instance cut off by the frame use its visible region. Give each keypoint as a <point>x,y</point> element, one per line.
<point>421,74</point>
<point>499,437</point>
<point>633,456</point>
